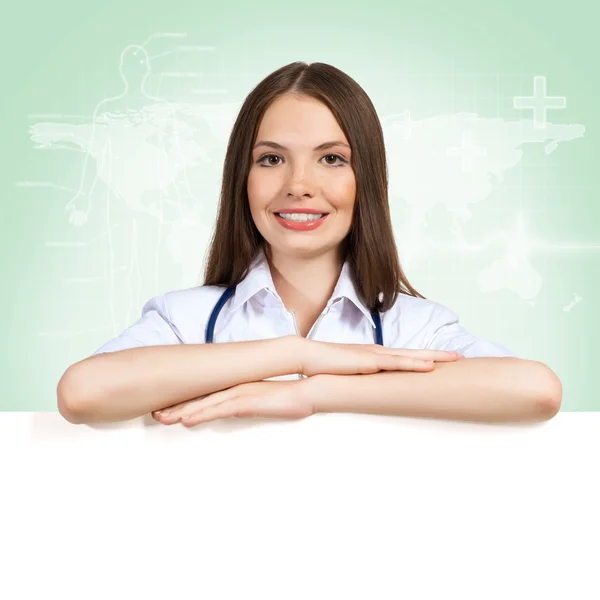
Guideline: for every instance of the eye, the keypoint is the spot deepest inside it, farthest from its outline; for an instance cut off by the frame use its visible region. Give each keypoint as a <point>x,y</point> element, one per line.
<point>334,156</point>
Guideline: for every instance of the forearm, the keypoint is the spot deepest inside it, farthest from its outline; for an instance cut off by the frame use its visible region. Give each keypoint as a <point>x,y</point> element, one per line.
<point>117,386</point>
<point>476,389</point>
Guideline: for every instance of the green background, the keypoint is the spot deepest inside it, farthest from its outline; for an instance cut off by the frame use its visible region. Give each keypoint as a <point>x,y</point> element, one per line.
<point>428,57</point>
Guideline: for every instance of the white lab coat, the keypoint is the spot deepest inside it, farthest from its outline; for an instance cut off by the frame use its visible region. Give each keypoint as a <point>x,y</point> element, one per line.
<point>256,312</point>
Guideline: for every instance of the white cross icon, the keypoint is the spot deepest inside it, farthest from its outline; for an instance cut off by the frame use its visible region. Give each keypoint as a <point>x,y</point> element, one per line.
<point>539,102</point>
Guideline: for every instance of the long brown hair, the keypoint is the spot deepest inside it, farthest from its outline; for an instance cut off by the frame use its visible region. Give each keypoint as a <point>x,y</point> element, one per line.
<point>369,246</point>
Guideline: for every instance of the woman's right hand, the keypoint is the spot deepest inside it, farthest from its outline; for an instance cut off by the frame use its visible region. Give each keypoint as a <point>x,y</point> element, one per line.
<point>352,359</point>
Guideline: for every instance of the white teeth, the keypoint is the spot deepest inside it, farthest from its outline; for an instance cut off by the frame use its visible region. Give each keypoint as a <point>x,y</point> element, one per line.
<point>300,216</point>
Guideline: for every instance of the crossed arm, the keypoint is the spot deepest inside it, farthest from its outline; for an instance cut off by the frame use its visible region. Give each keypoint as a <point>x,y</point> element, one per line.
<point>481,389</point>
<point>126,384</point>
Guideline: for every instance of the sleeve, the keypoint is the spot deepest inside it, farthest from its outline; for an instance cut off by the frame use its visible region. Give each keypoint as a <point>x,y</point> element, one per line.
<point>154,328</point>
<point>448,334</point>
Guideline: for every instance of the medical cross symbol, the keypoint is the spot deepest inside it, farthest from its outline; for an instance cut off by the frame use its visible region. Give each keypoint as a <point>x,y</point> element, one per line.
<point>540,103</point>
<point>467,151</point>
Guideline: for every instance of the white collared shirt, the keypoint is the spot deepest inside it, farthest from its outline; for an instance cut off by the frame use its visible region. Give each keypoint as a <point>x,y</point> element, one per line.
<point>255,311</point>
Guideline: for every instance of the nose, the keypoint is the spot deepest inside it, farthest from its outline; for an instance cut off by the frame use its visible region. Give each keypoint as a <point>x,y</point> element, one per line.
<point>301,180</point>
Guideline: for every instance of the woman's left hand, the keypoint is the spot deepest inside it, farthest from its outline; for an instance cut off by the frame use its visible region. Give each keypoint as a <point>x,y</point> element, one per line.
<point>278,399</point>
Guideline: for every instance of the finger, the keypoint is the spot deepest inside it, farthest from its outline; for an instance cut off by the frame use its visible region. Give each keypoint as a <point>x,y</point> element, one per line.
<point>403,363</point>
<point>170,417</point>
<point>421,354</point>
<point>241,406</point>
<point>206,402</point>
<point>429,355</point>
<point>178,406</point>
<point>194,405</point>
<point>223,410</point>
<point>165,419</point>
<point>158,415</point>
<point>163,412</point>
<point>438,355</point>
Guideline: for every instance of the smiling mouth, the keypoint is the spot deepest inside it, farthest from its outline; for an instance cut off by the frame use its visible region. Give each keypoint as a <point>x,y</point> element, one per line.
<point>309,218</point>
<point>302,224</point>
<point>321,214</point>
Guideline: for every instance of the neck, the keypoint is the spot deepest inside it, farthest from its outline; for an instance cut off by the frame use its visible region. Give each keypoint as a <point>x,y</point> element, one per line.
<point>305,284</point>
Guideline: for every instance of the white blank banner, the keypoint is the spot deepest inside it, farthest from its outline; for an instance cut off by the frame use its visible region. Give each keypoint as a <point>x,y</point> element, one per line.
<point>335,506</point>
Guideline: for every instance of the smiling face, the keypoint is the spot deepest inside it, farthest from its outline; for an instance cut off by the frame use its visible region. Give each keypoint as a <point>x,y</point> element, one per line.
<point>302,172</point>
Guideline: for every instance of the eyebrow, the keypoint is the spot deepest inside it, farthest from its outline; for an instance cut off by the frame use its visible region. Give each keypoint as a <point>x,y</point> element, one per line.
<point>277,146</point>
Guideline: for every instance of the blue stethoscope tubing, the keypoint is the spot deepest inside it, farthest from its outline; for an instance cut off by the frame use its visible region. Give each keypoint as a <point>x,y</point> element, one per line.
<point>210,328</point>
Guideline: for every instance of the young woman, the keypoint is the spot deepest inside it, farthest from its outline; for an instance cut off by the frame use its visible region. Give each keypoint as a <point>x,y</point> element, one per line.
<point>305,307</point>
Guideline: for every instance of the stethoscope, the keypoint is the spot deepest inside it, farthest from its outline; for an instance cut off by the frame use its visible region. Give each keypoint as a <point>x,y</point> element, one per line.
<point>210,328</point>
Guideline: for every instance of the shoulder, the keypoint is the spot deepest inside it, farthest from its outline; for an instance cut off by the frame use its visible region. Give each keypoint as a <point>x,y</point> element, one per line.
<point>425,324</point>
<point>193,298</point>
<point>172,318</point>
<point>188,310</point>
<point>419,309</point>
<point>412,322</point>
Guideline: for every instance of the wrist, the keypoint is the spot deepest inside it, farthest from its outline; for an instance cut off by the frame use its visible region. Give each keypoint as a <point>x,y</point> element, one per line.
<point>298,349</point>
<point>309,392</point>
<point>316,389</point>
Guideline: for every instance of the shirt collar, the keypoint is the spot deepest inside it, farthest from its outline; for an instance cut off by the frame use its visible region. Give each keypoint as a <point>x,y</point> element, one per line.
<point>259,278</point>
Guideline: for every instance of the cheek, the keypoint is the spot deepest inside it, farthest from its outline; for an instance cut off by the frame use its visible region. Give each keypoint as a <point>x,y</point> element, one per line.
<point>251,186</point>
<point>347,195</point>
<point>346,184</point>
<point>259,190</point>
<point>350,190</point>
<point>254,195</point>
